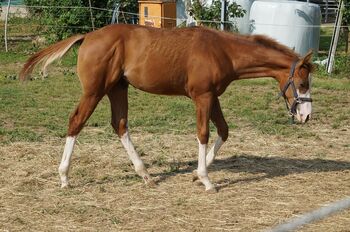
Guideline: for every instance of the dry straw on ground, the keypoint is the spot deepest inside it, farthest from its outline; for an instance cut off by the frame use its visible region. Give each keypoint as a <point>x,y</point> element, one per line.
<point>263,180</point>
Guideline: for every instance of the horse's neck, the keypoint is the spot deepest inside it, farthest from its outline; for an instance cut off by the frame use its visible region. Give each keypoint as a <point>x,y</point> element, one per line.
<point>266,63</point>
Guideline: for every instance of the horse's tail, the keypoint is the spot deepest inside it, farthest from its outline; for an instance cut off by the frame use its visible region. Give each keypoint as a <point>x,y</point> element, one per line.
<point>48,55</point>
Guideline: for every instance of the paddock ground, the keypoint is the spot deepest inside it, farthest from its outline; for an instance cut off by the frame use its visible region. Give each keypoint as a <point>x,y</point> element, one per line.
<point>267,171</point>
<point>263,180</point>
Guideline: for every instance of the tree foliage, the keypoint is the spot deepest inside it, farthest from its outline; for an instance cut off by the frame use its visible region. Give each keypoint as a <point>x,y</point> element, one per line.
<point>203,12</point>
<point>62,18</point>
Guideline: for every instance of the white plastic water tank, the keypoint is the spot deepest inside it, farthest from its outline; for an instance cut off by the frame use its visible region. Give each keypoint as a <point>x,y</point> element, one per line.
<point>295,24</point>
<point>243,23</point>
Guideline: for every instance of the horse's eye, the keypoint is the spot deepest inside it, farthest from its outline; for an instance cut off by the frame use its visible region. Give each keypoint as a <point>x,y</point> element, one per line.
<point>304,85</point>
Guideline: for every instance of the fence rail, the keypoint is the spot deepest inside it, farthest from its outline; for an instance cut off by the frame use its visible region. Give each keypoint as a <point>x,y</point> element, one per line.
<point>313,216</point>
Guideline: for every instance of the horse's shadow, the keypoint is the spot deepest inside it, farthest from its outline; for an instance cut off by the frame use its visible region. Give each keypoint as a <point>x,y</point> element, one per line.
<point>261,167</point>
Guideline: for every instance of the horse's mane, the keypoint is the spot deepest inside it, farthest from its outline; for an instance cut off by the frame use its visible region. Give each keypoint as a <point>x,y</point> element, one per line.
<point>261,40</point>
<point>272,43</point>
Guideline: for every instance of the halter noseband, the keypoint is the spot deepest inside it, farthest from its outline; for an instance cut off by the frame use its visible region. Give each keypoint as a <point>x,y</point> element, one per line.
<point>292,109</point>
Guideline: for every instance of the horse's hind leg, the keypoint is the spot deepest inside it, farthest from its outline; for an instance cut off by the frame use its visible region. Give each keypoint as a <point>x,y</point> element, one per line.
<point>93,85</point>
<point>77,120</point>
<point>118,97</point>
<point>222,129</point>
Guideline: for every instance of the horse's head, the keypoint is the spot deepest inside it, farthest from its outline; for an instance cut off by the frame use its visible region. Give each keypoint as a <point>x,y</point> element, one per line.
<point>296,88</point>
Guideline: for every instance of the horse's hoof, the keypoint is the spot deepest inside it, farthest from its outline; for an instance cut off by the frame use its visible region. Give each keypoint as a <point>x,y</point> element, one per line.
<point>150,182</point>
<point>198,183</point>
<point>211,190</point>
<point>64,185</point>
<point>194,176</point>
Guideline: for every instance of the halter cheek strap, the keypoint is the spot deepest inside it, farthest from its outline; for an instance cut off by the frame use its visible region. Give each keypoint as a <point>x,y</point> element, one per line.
<point>292,109</point>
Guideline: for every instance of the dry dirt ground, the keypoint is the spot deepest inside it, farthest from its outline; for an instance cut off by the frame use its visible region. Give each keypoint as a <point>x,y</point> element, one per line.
<point>262,179</point>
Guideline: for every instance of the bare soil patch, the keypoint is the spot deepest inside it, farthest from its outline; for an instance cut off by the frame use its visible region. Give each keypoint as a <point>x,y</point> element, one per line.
<point>263,180</point>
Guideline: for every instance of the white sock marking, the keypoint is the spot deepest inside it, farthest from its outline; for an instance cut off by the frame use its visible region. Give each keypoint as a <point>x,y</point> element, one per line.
<point>214,150</point>
<point>134,157</point>
<point>66,158</point>
<point>202,171</point>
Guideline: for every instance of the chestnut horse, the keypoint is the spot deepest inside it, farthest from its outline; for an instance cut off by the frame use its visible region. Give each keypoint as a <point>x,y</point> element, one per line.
<point>195,62</point>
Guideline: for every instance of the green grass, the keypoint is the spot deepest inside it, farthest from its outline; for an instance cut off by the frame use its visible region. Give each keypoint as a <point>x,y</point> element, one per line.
<point>342,62</point>
<point>326,38</point>
<point>10,57</point>
<point>40,109</point>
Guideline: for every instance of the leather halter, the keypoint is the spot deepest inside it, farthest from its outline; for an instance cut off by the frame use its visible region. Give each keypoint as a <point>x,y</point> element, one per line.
<point>292,109</point>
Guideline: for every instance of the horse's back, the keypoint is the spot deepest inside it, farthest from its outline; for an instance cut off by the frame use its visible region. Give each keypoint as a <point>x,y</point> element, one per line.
<point>155,60</point>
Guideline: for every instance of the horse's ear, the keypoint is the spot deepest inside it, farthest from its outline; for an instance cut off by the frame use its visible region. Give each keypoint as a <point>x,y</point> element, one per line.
<point>307,58</point>
<point>305,61</point>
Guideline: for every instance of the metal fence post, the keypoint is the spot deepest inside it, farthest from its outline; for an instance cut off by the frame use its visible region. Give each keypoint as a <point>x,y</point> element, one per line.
<point>335,37</point>
<point>223,14</point>
<point>115,16</point>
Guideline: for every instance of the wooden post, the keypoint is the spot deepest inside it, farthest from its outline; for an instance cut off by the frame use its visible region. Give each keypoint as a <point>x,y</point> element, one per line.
<point>91,16</point>
<point>346,35</point>
<point>6,21</point>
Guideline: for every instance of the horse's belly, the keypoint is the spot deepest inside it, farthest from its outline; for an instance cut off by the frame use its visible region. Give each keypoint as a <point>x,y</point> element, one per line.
<point>166,85</point>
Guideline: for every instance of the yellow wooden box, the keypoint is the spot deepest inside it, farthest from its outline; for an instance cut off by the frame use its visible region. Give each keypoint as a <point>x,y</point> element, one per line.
<point>158,13</point>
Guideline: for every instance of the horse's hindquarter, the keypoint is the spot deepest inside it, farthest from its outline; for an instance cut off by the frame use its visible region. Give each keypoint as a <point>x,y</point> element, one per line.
<point>101,57</point>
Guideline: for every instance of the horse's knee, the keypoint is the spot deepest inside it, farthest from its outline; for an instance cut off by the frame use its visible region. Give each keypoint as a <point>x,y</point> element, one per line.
<point>203,136</point>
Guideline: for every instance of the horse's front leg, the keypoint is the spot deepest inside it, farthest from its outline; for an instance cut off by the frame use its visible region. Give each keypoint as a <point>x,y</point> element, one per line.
<point>217,118</point>
<point>203,110</point>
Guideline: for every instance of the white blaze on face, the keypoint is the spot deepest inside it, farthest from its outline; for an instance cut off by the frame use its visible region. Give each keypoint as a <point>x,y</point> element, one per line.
<point>304,109</point>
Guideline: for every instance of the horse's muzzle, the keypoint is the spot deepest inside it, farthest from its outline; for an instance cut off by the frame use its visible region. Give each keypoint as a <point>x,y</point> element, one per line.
<point>304,110</point>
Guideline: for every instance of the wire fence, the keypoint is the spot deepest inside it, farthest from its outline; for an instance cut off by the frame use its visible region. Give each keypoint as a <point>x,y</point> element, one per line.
<point>25,13</point>
<point>22,24</point>
<point>22,11</point>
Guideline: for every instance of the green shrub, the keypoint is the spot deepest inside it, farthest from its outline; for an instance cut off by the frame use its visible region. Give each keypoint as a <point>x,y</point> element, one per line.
<point>203,12</point>
<point>64,18</point>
